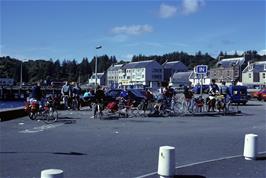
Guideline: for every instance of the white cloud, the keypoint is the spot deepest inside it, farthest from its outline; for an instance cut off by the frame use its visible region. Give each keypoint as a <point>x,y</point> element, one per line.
<point>262,52</point>
<point>133,29</point>
<point>167,11</point>
<point>191,6</point>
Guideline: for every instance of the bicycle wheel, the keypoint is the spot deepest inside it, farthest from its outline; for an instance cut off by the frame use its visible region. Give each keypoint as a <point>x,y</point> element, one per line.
<point>134,112</point>
<point>178,108</point>
<point>165,113</point>
<point>32,115</point>
<point>99,112</point>
<point>51,116</point>
<point>232,108</point>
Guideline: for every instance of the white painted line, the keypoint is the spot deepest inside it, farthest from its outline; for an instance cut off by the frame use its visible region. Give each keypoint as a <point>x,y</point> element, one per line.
<point>197,163</point>
<point>41,128</point>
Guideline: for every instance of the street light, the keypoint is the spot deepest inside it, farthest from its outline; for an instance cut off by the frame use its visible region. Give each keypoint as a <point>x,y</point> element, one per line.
<point>98,47</point>
<point>21,75</point>
<point>21,72</point>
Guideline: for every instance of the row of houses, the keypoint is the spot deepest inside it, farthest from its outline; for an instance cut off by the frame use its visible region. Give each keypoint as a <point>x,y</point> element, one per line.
<point>144,73</point>
<point>153,74</point>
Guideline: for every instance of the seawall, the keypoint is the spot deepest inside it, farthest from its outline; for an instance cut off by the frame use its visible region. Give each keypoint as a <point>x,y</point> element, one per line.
<point>8,114</point>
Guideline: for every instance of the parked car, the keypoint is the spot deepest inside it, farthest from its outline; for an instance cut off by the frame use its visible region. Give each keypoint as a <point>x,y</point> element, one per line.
<point>136,94</point>
<point>260,95</point>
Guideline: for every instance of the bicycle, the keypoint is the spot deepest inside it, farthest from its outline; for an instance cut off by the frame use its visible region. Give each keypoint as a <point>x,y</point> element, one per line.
<point>48,114</point>
<point>231,107</point>
<point>75,103</point>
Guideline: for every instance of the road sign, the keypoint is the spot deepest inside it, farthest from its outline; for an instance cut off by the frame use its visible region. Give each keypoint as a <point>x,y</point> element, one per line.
<point>201,69</point>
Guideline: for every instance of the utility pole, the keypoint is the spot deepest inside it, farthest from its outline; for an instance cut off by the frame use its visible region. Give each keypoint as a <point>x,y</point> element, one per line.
<point>96,65</point>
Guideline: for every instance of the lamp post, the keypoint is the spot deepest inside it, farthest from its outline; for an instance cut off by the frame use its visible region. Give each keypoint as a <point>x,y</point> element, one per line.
<point>21,75</point>
<point>98,47</point>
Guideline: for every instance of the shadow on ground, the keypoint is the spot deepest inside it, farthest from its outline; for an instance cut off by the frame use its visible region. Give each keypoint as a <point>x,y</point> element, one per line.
<point>56,153</point>
<point>67,120</point>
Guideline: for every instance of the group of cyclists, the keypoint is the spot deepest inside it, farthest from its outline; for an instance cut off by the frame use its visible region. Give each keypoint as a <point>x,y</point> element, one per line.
<point>70,95</point>
<point>157,100</point>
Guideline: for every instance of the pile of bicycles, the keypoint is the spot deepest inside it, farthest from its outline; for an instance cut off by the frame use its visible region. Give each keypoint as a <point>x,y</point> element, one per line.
<point>45,111</point>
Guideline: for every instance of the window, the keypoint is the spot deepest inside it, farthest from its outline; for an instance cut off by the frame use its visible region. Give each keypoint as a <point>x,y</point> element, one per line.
<point>249,75</point>
<point>128,77</point>
<point>263,75</point>
<point>250,67</point>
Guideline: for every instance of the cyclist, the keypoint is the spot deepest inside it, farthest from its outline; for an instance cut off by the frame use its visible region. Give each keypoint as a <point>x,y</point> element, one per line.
<point>66,94</point>
<point>224,90</point>
<point>188,94</point>
<point>76,95</point>
<point>99,99</point>
<point>37,94</point>
<point>213,90</point>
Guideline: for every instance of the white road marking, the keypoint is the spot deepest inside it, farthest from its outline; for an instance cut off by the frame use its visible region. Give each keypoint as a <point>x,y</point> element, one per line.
<point>41,128</point>
<point>197,163</point>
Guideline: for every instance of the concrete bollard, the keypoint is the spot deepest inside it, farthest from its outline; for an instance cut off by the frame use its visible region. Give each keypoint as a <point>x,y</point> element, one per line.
<point>52,173</point>
<point>166,162</point>
<point>251,146</point>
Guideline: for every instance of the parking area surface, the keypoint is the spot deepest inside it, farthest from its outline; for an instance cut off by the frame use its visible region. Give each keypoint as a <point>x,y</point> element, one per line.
<point>128,147</point>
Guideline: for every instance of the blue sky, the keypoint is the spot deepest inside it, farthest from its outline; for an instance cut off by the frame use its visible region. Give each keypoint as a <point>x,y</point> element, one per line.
<point>72,29</point>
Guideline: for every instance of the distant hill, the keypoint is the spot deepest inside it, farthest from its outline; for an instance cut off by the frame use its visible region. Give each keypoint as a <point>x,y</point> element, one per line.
<point>55,70</point>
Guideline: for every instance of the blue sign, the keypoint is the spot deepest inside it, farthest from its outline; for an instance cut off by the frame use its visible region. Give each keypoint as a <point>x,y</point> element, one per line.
<point>201,69</point>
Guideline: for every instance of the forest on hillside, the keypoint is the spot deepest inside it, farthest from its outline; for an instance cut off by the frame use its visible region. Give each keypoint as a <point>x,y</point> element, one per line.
<point>71,70</point>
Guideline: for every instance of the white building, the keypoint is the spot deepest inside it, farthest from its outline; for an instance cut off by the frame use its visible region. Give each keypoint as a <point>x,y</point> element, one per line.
<point>112,75</point>
<point>101,79</point>
<point>147,73</point>
<point>254,74</point>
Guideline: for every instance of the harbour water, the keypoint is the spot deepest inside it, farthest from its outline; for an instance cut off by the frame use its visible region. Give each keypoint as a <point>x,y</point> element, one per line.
<point>10,104</point>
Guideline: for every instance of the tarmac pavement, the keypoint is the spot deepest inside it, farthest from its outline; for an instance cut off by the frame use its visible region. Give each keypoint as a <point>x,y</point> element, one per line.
<point>206,146</point>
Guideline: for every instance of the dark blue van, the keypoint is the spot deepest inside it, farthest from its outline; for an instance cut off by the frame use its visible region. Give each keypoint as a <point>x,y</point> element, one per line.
<point>238,94</point>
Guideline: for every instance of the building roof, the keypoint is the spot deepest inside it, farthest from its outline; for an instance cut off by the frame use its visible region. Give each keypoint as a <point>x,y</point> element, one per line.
<point>198,76</point>
<point>181,77</point>
<point>99,75</point>
<point>140,64</point>
<point>170,64</point>
<point>229,62</point>
<point>115,67</point>
<point>256,67</point>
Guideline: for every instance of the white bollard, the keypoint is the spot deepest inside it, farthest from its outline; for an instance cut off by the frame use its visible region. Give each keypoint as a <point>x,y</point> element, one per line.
<point>52,173</point>
<point>166,162</point>
<point>251,146</point>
